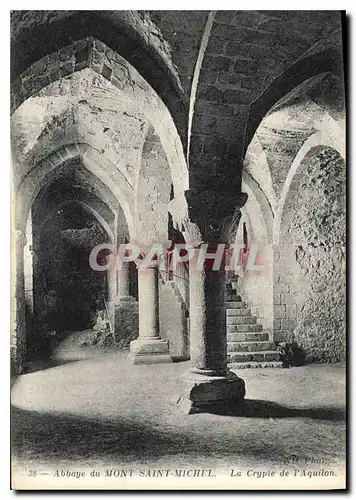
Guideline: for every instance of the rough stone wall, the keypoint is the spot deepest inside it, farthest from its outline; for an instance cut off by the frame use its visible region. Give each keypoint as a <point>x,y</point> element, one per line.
<point>183,31</point>
<point>18,335</point>
<point>130,32</point>
<point>310,281</point>
<point>153,192</point>
<point>126,322</point>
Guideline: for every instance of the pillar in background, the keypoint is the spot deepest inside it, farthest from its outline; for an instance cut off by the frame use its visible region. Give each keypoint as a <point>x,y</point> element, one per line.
<point>123,282</point>
<point>149,347</point>
<point>112,287</point>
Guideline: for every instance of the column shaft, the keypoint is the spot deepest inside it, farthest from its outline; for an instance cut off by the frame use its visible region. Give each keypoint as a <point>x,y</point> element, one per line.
<point>208,384</point>
<point>149,347</point>
<point>148,303</point>
<point>208,321</point>
<point>123,281</point>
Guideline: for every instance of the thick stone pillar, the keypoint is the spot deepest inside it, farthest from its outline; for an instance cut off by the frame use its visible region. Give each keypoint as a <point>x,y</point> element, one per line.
<point>149,347</point>
<point>209,385</point>
<point>207,320</point>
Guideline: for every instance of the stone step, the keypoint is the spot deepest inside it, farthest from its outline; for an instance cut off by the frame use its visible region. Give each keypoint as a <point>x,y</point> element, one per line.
<point>239,312</point>
<point>241,320</point>
<point>238,357</point>
<point>255,364</point>
<point>235,305</point>
<point>247,337</point>
<point>232,298</point>
<point>250,346</point>
<point>243,328</point>
<point>236,312</point>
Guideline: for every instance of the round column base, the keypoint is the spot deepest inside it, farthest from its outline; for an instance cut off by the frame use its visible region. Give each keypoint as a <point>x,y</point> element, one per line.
<point>149,351</point>
<point>215,394</point>
<point>124,299</point>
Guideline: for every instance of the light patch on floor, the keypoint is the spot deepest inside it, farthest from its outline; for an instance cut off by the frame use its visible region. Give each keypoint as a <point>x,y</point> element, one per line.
<point>95,409</point>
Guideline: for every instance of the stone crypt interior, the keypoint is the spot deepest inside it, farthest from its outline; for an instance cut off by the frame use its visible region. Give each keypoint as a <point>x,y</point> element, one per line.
<point>189,126</point>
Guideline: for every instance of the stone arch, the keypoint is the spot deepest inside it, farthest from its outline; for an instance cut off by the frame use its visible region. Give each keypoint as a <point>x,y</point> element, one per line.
<point>116,70</point>
<point>62,187</point>
<point>319,139</point>
<point>102,222</point>
<point>130,33</point>
<point>308,67</point>
<point>92,161</point>
<point>253,190</point>
<point>256,167</point>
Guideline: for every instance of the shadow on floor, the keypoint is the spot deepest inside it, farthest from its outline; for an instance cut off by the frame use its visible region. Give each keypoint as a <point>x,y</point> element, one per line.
<point>44,364</point>
<point>253,408</point>
<point>61,436</point>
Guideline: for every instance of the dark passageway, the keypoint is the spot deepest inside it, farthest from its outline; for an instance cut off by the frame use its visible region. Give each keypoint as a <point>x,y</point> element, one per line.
<point>67,292</point>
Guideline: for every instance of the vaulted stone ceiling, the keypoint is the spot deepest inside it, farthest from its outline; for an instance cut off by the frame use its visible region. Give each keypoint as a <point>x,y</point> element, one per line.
<point>318,105</point>
<point>218,72</point>
<point>84,109</point>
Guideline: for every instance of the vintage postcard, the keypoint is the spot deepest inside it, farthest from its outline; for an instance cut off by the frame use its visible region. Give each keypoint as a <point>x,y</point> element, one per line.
<point>178,301</point>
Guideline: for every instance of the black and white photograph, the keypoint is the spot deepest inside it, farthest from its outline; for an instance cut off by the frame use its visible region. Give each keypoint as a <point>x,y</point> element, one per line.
<point>178,249</point>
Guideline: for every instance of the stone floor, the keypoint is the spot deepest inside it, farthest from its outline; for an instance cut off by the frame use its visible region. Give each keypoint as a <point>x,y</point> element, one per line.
<point>92,408</point>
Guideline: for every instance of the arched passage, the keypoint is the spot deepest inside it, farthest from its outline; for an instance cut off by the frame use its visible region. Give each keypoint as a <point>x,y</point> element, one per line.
<point>74,111</point>
<point>128,33</point>
<point>130,91</point>
<point>67,220</point>
<point>67,183</point>
<point>67,292</point>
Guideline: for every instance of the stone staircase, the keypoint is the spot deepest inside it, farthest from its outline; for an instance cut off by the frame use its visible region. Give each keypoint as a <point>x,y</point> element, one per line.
<point>248,346</point>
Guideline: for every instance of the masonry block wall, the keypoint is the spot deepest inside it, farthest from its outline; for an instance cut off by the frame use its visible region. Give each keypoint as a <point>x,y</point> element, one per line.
<point>18,305</point>
<point>287,291</point>
<point>257,289</point>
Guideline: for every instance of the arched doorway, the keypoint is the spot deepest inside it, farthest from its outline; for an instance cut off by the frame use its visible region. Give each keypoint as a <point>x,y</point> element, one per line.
<point>67,292</point>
